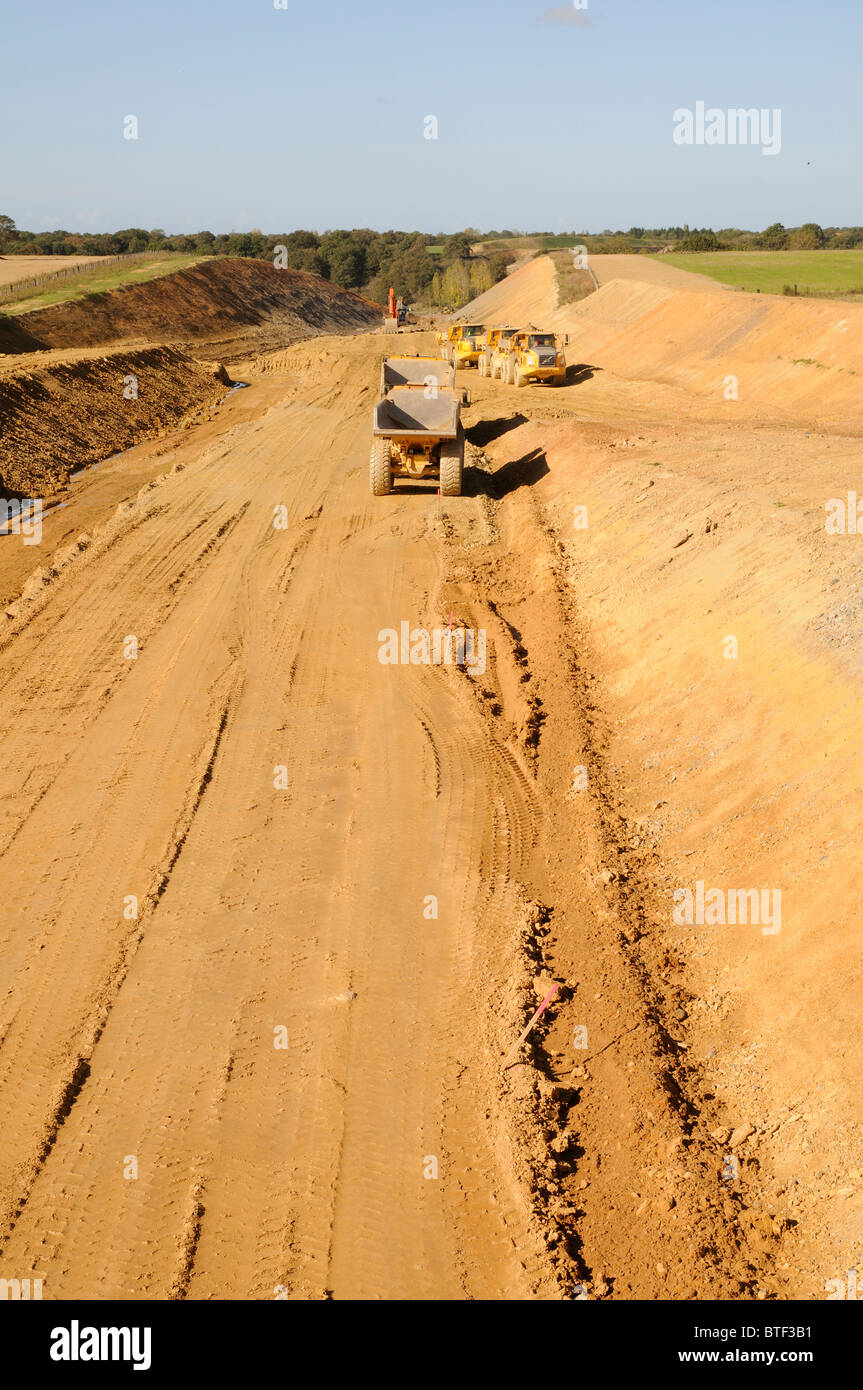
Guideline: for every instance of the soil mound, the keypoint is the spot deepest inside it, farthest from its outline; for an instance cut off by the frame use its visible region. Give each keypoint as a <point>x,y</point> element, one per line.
<point>231,306</point>
<point>798,359</point>
<point>59,416</point>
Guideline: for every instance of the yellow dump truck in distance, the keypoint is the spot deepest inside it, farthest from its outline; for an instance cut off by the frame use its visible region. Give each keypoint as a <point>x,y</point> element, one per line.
<point>462,344</point>
<point>500,353</point>
<point>534,356</point>
<point>491,338</point>
<point>448,338</point>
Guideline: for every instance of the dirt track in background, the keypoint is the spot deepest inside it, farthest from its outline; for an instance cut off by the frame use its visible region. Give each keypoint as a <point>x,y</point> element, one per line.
<point>15,268</point>
<point>382,1152</point>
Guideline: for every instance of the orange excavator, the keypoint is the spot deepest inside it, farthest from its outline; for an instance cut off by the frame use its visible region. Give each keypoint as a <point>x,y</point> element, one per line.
<point>392,311</point>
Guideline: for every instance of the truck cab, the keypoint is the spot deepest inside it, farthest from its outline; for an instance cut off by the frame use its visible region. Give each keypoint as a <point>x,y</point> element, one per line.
<point>462,343</point>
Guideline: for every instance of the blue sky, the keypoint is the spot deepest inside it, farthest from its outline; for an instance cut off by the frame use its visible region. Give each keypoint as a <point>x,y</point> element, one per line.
<point>313,116</point>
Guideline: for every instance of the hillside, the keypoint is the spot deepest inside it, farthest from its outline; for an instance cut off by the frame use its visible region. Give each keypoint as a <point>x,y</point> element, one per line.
<point>230,306</point>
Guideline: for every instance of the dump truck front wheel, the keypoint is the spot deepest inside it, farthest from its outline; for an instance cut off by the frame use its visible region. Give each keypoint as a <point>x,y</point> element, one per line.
<point>518,378</point>
<point>452,465</point>
<point>380,476</point>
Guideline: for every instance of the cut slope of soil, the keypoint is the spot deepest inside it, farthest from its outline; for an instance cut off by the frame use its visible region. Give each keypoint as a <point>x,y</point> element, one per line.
<point>739,772</point>
<point>754,356</point>
<point>763,356</point>
<point>231,306</point>
<point>528,295</point>
<point>59,416</point>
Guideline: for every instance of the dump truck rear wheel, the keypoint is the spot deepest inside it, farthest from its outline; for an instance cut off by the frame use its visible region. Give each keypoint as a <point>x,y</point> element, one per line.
<point>452,465</point>
<point>481,366</point>
<point>380,477</point>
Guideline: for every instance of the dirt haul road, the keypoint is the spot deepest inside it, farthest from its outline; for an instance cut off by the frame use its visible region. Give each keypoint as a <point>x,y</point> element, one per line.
<point>278,911</point>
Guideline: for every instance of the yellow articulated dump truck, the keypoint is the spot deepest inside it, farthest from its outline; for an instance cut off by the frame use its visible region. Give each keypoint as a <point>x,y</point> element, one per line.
<point>491,338</point>
<point>497,367</point>
<point>417,425</point>
<point>462,343</point>
<point>533,356</point>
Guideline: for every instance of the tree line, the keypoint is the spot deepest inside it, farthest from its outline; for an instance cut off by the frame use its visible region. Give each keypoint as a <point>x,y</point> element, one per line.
<point>808,237</point>
<point>445,270</point>
<point>418,265</point>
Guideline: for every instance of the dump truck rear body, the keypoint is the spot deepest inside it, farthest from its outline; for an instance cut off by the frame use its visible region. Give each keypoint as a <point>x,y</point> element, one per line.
<point>416,371</point>
<point>417,425</point>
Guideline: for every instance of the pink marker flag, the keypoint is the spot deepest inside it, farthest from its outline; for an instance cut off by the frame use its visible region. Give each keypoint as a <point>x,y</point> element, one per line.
<point>546,1001</point>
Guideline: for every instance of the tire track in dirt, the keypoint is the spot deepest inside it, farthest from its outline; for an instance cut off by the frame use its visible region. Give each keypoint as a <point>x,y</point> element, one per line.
<point>143,1275</point>
<point>681,1211</point>
<point>91,1024</point>
<point>66,694</point>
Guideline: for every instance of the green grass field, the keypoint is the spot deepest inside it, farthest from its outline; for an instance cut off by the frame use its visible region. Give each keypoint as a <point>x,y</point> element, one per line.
<point>98,280</point>
<point>813,272</point>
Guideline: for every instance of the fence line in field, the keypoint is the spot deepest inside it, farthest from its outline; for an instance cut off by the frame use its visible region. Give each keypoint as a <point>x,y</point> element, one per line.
<point>19,288</point>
